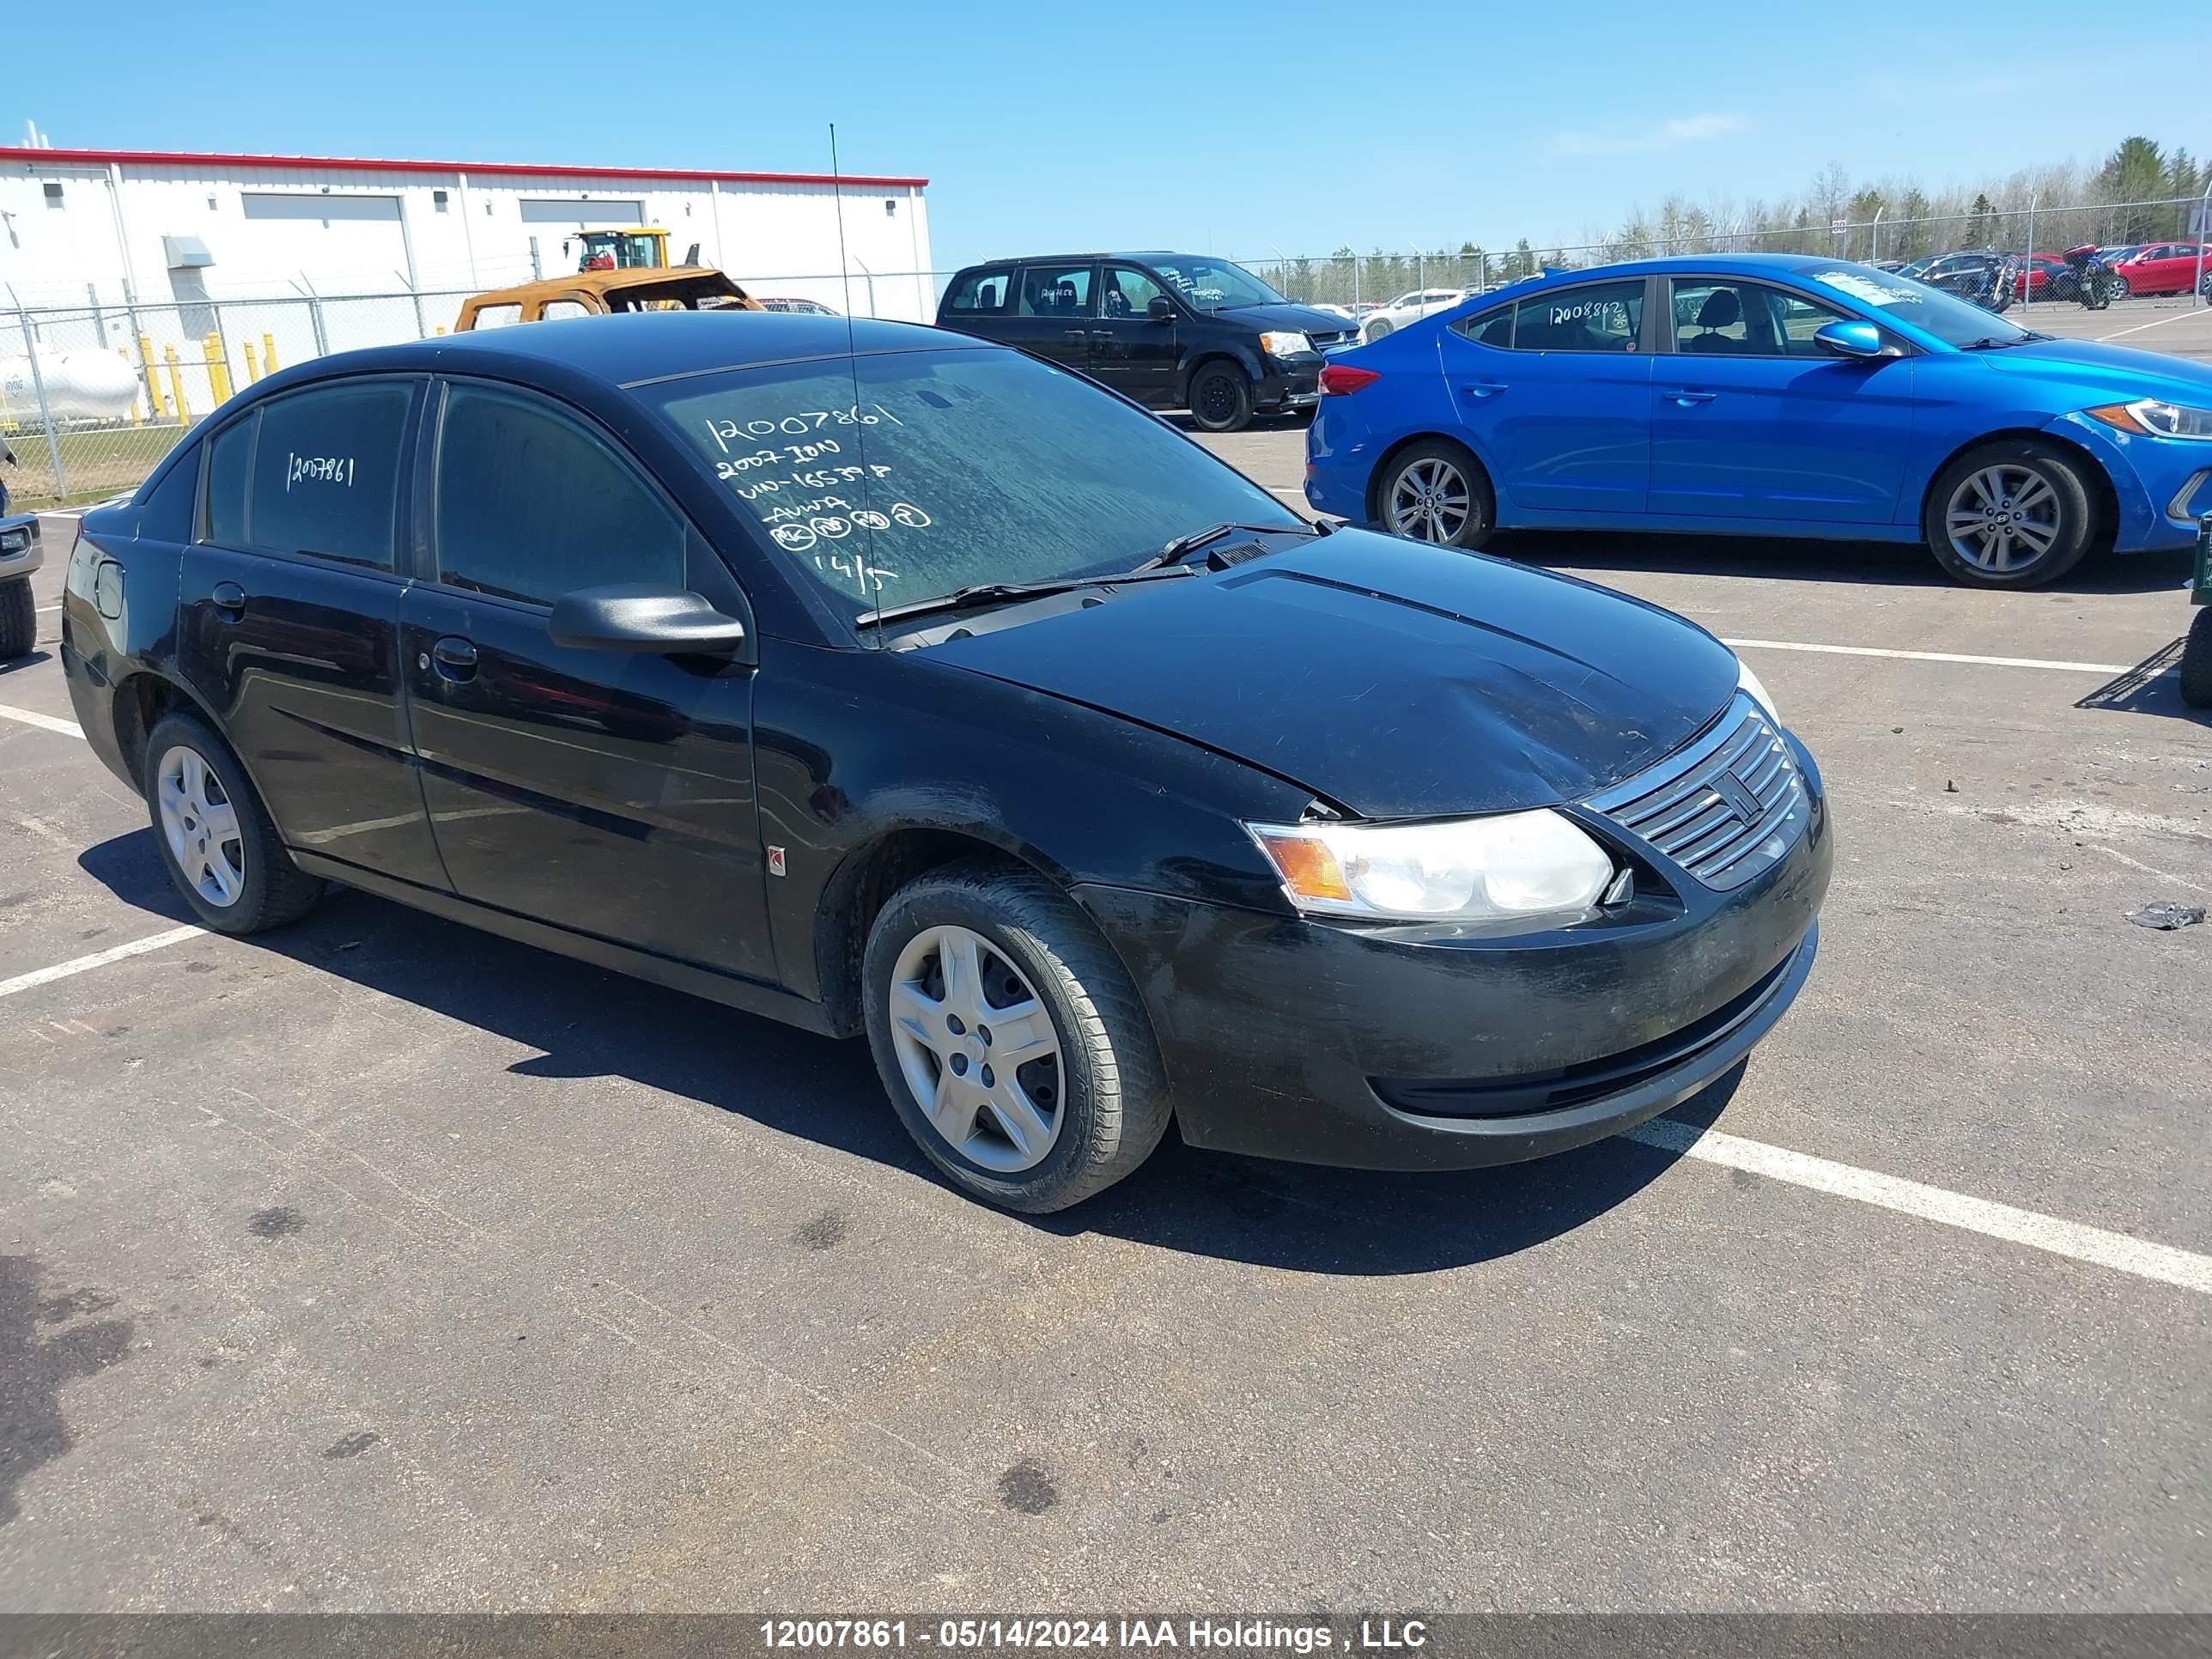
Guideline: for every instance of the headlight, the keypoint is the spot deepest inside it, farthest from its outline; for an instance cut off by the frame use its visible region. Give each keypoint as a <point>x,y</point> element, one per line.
<point>1748,681</point>
<point>1517,866</point>
<point>1287,344</point>
<point>2156,419</point>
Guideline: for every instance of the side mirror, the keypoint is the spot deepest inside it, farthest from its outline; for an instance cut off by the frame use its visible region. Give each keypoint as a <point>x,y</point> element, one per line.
<point>1852,339</point>
<point>1162,309</point>
<point>629,617</point>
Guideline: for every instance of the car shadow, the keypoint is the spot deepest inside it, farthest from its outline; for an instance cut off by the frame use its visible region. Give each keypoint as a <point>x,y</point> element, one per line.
<point>1863,564</point>
<point>585,1022</point>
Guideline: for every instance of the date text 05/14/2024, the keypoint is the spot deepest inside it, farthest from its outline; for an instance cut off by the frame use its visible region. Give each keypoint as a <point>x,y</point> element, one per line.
<point>958,1635</point>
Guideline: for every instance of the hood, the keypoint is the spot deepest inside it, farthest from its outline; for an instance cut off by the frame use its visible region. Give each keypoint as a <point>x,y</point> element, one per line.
<point>1305,319</point>
<point>2108,371</point>
<point>1395,679</point>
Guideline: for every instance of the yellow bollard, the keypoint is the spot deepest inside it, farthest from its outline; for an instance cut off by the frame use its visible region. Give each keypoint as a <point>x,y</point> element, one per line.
<point>123,352</point>
<point>252,368</point>
<point>154,407</point>
<point>218,370</point>
<point>268,354</point>
<point>177,386</point>
<point>441,329</point>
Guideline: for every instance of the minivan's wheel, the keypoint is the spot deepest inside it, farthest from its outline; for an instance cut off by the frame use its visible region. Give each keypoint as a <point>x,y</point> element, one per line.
<point>1010,1039</point>
<point>1221,397</point>
<point>222,852</point>
<point>19,619</point>
<point>1435,491</point>
<point>2197,662</point>
<point>2012,514</point>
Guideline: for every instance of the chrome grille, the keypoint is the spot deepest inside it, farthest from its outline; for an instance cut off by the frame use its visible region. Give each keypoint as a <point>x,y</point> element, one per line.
<point>1726,808</point>
<point>1325,342</point>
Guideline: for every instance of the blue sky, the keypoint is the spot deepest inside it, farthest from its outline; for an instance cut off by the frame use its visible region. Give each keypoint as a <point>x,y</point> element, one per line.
<point>1240,129</point>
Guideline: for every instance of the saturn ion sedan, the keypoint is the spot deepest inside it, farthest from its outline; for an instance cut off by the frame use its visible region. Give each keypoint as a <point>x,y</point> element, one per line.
<point>881,680</point>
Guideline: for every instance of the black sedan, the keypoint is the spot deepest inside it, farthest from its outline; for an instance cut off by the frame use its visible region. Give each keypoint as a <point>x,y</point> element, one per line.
<point>889,681</point>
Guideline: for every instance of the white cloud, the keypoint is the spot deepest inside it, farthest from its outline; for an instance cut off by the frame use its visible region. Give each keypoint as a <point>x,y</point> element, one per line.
<point>1668,135</point>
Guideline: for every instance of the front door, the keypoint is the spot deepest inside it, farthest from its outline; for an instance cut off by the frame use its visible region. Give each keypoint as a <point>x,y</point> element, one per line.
<point>1051,319</point>
<point>1556,397</point>
<point>1132,350</point>
<point>1753,419</point>
<point>287,619</point>
<point>608,793</point>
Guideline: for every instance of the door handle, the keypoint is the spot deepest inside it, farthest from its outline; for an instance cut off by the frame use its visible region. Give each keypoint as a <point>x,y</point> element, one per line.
<point>229,598</point>
<point>1684,396</point>
<point>1482,388</point>
<point>1077,334</point>
<point>456,658</point>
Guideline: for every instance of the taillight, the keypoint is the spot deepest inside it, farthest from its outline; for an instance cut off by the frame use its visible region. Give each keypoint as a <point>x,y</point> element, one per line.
<point>1339,377</point>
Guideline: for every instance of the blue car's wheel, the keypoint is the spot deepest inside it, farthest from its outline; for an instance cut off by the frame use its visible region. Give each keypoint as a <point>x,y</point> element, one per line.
<point>1435,491</point>
<point>2011,513</point>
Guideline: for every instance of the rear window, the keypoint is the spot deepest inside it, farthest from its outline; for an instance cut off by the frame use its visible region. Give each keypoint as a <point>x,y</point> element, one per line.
<point>977,291</point>
<point>1492,328</point>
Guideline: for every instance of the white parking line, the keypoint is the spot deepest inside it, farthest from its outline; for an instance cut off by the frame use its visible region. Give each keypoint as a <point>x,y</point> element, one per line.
<point>137,947</point>
<point>2154,322</point>
<point>44,722</point>
<point>2140,1257</point>
<point>1933,656</point>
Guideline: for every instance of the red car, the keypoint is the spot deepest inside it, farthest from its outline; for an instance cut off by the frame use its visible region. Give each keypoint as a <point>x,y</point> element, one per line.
<point>2037,272</point>
<point>2163,268</point>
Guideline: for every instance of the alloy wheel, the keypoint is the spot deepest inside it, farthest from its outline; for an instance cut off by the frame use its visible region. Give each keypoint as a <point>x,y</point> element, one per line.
<point>2002,518</point>
<point>1430,500</point>
<point>977,1049</point>
<point>201,825</point>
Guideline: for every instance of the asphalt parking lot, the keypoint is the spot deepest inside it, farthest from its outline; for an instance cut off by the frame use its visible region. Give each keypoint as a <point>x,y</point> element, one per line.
<point>382,1264</point>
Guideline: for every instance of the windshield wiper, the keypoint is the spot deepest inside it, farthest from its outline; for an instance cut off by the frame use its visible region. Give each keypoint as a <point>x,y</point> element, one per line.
<point>1182,547</point>
<point>1991,343</point>
<point>963,599</point>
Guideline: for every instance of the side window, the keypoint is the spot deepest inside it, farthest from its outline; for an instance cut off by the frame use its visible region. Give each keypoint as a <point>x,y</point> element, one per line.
<point>228,458</point>
<point>979,291</point>
<point>554,310</point>
<point>531,506</point>
<point>1055,291</point>
<point>1492,328</point>
<point>1711,319</point>
<point>1797,319</point>
<point>497,316</point>
<point>1598,317</point>
<point>326,474</point>
<point>1128,293</point>
<point>164,511</point>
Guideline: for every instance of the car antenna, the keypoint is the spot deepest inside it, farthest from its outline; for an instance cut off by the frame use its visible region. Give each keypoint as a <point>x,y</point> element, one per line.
<point>852,362</point>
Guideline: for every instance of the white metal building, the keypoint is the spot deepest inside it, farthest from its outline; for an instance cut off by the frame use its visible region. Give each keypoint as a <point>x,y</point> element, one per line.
<point>152,228</point>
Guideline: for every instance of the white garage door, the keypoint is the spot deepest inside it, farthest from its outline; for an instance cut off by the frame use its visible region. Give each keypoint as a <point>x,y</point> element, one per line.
<point>341,243</point>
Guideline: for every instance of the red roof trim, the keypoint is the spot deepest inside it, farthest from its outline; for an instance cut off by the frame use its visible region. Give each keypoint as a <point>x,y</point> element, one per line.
<point>489,169</point>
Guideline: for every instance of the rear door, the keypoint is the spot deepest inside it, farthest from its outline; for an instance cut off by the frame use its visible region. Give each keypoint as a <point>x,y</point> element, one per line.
<point>287,622</point>
<point>1051,315</point>
<point>607,792</point>
<point>1555,395</point>
<point>1753,419</point>
<point>1132,350</point>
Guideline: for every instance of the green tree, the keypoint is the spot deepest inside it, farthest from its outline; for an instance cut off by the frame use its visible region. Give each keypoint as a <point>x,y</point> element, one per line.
<point>1524,260</point>
<point>1915,237</point>
<point>2133,175</point>
<point>1981,222</point>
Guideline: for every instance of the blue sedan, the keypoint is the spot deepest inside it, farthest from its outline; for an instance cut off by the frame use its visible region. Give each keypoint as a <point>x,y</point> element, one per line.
<point>1765,395</point>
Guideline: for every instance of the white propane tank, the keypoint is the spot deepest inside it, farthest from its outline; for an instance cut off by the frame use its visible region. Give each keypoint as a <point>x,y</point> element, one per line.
<point>80,385</point>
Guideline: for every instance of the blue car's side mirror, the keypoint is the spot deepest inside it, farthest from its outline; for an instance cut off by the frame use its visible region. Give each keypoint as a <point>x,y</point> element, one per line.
<point>1851,339</point>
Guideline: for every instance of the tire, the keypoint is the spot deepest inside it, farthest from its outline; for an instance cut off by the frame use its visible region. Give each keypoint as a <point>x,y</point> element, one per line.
<point>19,619</point>
<point>1436,464</point>
<point>2197,662</point>
<point>2051,518</point>
<point>241,880</point>
<point>1100,1102</point>
<point>2121,290</point>
<point>1220,398</point>
<point>1381,326</point>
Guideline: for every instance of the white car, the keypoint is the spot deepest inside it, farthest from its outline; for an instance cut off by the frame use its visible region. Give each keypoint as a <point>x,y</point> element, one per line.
<point>1409,308</point>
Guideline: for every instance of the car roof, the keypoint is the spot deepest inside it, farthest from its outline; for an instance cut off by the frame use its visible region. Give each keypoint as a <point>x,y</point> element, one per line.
<point>639,346</point>
<point>1140,255</point>
<point>1722,264</point>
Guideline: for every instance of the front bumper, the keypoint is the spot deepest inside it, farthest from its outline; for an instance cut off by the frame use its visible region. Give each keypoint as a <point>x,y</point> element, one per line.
<point>1424,1049</point>
<point>2161,486</point>
<point>1289,383</point>
<point>20,552</point>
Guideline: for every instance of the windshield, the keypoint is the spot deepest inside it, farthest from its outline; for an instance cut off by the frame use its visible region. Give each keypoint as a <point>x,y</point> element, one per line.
<point>1893,296</point>
<point>1214,285</point>
<point>950,469</point>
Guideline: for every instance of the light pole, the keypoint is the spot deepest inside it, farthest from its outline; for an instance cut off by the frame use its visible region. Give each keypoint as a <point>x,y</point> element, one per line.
<point>2204,229</point>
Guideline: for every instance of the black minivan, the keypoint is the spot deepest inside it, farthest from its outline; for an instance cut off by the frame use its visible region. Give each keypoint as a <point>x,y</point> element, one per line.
<point>1173,331</point>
